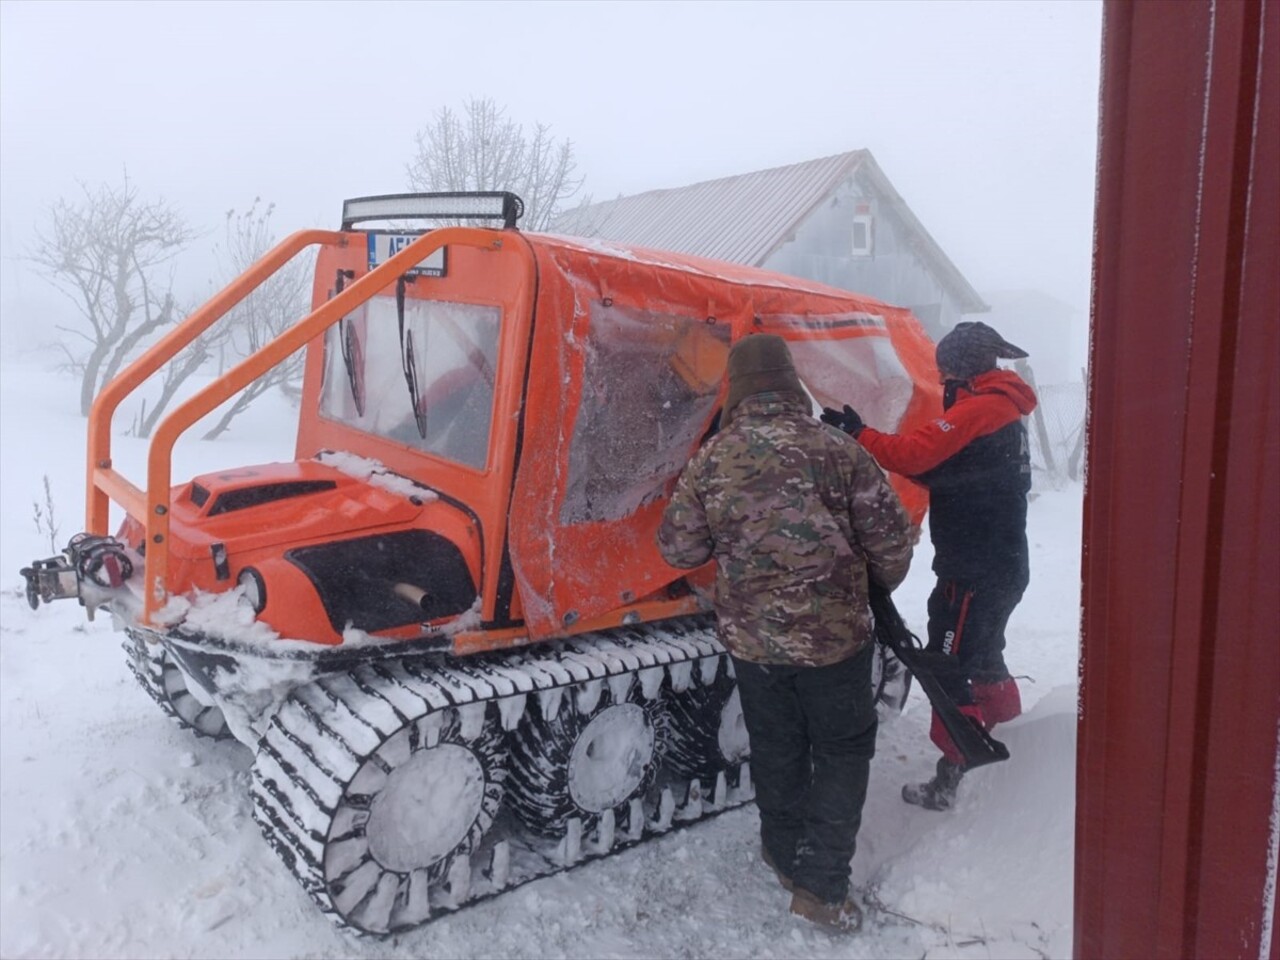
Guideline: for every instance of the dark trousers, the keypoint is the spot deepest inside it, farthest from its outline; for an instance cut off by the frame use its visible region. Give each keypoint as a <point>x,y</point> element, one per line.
<point>967,621</point>
<point>813,734</point>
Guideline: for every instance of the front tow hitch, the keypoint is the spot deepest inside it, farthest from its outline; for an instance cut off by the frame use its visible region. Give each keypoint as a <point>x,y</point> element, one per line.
<point>90,568</point>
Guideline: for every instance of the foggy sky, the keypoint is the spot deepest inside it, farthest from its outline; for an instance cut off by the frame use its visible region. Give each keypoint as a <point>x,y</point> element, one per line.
<point>983,115</point>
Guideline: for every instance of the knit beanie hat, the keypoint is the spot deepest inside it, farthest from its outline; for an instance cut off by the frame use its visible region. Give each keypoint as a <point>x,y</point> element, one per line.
<point>972,348</point>
<point>760,363</point>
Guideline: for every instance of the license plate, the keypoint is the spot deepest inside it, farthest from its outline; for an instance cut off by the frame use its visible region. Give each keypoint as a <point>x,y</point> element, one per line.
<point>383,246</point>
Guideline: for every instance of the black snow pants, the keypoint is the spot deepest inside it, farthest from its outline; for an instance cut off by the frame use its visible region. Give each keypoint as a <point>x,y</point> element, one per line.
<point>968,622</point>
<point>813,734</point>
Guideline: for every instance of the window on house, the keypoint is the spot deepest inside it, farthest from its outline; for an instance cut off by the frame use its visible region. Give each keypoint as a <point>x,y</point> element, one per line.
<point>862,235</point>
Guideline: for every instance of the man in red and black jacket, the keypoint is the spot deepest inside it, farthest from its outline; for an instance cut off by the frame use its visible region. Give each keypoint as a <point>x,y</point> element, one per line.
<point>975,461</point>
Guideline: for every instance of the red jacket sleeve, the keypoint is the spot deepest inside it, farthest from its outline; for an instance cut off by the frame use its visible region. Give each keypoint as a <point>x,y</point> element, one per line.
<point>925,447</point>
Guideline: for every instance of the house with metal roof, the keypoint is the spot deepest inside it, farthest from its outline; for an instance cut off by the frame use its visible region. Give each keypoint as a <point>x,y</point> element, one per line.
<point>837,220</point>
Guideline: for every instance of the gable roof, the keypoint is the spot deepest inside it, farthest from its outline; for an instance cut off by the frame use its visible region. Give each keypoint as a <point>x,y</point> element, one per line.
<point>743,219</point>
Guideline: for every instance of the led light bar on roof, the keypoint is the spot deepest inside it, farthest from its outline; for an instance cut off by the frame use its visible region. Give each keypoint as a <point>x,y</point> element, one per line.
<point>434,206</point>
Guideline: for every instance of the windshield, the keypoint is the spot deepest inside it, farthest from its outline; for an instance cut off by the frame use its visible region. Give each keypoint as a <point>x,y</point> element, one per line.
<point>449,354</point>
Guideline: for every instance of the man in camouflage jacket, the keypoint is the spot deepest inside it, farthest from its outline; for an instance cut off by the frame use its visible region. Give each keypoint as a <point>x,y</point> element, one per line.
<point>797,517</point>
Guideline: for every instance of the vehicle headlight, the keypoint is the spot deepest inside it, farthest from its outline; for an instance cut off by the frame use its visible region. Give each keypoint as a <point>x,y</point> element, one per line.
<point>254,587</point>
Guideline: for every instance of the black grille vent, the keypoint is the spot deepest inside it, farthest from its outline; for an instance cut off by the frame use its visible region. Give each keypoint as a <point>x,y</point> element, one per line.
<point>267,493</point>
<point>199,495</point>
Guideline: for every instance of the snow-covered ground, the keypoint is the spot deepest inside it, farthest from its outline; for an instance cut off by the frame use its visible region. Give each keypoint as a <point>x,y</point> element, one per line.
<point>123,836</point>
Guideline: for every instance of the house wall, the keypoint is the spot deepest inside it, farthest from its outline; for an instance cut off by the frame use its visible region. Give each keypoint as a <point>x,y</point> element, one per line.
<point>821,249</point>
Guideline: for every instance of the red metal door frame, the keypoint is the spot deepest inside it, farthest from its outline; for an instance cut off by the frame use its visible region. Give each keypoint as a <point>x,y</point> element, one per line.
<point>1180,686</point>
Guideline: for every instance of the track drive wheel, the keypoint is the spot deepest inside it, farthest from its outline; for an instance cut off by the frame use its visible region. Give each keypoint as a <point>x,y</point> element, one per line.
<point>380,826</point>
<point>708,734</point>
<point>584,754</point>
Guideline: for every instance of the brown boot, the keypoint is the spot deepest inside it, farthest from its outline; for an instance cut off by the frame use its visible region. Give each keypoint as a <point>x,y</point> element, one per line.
<point>782,877</point>
<point>839,917</point>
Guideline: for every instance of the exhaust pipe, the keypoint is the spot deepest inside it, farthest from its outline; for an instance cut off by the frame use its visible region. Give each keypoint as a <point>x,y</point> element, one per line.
<point>415,595</point>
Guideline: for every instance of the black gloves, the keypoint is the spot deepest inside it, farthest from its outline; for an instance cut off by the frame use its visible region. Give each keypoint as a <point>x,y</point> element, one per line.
<point>848,421</point>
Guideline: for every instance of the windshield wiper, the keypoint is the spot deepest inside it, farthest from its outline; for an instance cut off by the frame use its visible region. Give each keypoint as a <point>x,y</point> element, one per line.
<point>408,361</point>
<point>352,349</point>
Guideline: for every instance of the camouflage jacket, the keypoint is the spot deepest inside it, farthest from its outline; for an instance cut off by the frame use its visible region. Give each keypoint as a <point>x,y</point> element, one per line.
<point>796,515</point>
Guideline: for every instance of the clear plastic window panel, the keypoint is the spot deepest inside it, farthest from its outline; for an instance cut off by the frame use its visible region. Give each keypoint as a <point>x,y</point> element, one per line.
<point>649,391</point>
<point>864,372</point>
<point>448,350</point>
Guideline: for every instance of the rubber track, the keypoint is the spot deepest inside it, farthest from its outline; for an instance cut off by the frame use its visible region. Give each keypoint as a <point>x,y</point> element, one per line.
<point>326,730</point>
<point>146,663</point>
<point>148,672</point>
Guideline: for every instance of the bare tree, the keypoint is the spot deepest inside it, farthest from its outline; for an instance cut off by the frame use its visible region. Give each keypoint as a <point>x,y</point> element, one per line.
<point>103,250</point>
<point>193,357</point>
<point>483,150</point>
<point>279,302</point>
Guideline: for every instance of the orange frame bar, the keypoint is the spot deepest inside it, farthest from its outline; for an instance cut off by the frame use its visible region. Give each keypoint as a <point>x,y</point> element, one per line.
<point>483,641</point>
<point>104,484</point>
<point>159,459</point>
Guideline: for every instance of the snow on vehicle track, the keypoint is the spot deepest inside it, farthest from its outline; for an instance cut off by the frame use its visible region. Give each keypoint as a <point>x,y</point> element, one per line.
<point>401,789</point>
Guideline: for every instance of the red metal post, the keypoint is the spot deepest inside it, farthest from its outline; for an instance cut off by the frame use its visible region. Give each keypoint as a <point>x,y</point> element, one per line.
<point>1180,693</point>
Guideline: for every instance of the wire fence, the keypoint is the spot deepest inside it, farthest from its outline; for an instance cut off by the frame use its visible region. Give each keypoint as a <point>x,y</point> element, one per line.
<point>1056,431</point>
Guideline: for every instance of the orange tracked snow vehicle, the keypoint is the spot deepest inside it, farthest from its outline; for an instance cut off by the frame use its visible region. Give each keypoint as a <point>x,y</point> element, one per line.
<point>445,629</point>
